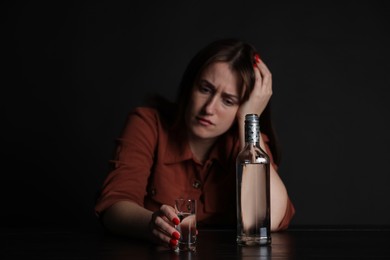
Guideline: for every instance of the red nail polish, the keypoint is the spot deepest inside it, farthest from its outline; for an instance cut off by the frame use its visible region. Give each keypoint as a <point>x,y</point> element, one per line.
<point>176,221</point>
<point>173,243</point>
<point>175,235</point>
<point>257,58</point>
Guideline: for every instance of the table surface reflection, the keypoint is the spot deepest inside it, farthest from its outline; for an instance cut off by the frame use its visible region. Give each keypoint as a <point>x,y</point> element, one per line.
<point>295,243</point>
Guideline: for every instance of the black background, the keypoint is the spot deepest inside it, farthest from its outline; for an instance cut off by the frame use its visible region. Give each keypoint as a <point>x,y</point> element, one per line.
<point>73,70</point>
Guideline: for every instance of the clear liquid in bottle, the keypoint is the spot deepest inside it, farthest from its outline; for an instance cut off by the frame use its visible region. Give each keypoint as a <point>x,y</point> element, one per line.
<point>253,189</point>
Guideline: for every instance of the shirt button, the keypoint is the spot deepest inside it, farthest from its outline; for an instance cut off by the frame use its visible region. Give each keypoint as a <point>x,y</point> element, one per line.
<point>153,192</point>
<point>196,184</point>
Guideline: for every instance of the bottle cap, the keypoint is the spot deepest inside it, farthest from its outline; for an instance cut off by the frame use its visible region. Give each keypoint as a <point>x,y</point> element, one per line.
<point>252,128</point>
<point>251,118</point>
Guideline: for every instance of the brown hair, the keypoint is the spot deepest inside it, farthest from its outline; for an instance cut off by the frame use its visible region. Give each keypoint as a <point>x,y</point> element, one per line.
<point>240,57</point>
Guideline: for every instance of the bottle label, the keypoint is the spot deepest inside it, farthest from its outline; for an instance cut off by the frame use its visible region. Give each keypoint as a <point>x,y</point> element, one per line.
<point>252,131</point>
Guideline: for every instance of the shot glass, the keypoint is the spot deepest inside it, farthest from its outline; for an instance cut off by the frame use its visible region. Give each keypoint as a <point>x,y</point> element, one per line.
<point>186,211</point>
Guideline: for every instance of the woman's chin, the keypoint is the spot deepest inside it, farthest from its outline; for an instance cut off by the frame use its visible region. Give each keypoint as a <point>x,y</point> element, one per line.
<point>203,133</point>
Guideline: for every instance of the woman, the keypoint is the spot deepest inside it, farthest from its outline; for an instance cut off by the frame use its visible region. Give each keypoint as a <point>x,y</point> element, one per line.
<point>188,149</point>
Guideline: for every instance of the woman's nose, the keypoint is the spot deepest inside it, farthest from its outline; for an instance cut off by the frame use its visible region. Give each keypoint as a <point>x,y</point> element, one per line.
<point>210,105</point>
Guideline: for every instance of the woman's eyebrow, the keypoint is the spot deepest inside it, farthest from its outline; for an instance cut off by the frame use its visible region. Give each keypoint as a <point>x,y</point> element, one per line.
<point>207,83</point>
<point>224,93</point>
<point>231,96</point>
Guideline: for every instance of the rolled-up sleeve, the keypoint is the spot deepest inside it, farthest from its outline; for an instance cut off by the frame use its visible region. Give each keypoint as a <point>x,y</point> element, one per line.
<point>133,162</point>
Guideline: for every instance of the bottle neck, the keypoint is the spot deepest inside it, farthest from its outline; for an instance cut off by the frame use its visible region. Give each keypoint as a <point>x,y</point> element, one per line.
<point>252,133</point>
<point>254,143</point>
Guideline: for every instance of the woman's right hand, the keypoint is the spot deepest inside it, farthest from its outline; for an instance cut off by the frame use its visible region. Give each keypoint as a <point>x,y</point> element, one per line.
<point>162,226</point>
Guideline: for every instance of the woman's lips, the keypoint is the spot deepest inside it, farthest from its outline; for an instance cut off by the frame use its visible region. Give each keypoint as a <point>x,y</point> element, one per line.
<point>204,121</point>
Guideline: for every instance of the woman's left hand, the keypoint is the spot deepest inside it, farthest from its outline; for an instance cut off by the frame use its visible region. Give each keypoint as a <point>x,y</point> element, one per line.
<point>261,93</point>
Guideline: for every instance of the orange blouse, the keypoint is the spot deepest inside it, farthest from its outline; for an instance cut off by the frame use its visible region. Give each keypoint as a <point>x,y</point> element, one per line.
<point>154,166</point>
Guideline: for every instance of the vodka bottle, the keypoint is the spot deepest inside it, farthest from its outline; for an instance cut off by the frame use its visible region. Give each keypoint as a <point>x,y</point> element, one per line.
<point>253,188</point>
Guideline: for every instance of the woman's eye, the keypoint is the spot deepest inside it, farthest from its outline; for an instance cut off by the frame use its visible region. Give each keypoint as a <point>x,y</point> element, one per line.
<point>228,102</point>
<point>204,89</point>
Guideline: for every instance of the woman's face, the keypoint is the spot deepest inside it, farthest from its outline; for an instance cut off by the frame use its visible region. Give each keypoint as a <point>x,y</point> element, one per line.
<point>214,102</point>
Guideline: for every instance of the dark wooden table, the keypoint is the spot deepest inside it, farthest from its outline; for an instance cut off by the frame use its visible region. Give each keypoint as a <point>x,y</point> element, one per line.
<point>296,243</point>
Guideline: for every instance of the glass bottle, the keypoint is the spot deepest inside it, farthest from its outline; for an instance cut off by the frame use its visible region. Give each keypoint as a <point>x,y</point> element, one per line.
<point>253,188</point>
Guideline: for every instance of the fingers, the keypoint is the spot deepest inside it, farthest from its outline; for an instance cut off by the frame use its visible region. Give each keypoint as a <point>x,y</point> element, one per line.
<point>258,77</point>
<point>263,76</point>
<point>162,226</point>
<point>261,92</point>
<point>265,73</point>
<point>262,73</point>
<point>169,212</point>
